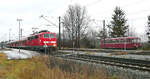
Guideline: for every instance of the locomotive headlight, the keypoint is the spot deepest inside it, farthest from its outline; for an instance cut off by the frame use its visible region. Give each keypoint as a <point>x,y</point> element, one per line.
<point>46,42</point>
<point>49,41</point>
<point>53,42</point>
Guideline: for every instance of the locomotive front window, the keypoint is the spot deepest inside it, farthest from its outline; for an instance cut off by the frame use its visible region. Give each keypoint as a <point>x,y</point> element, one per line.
<point>49,35</point>
<point>52,35</point>
<point>46,35</point>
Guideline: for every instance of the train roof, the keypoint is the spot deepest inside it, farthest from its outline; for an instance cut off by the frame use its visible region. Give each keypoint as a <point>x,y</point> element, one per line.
<point>122,38</point>
<point>41,32</point>
<point>36,33</point>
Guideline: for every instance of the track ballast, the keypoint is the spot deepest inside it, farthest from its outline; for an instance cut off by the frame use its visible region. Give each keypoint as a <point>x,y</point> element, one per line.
<point>120,62</point>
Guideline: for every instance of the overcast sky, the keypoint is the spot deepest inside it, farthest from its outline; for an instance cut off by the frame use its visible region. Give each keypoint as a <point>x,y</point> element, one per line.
<point>30,10</point>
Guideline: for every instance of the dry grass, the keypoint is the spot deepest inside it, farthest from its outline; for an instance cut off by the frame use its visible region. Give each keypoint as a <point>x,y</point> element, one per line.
<point>119,53</point>
<point>38,68</point>
<point>2,57</point>
<point>89,53</point>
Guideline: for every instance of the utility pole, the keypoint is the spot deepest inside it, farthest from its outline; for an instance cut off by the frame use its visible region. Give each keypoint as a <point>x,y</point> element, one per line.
<point>59,33</point>
<point>104,32</point>
<point>19,20</point>
<point>21,34</point>
<point>109,26</point>
<point>62,35</point>
<point>9,35</point>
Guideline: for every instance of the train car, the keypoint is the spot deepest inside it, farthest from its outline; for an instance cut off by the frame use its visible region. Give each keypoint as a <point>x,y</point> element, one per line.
<point>121,43</point>
<point>37,41</point>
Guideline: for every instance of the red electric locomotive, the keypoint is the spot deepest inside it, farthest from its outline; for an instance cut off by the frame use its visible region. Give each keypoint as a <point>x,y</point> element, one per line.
<point>121,43</point>
<point>37,41</point>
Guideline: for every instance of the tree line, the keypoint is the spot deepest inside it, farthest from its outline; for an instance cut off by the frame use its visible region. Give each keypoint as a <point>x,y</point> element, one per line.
<point>77,33</point>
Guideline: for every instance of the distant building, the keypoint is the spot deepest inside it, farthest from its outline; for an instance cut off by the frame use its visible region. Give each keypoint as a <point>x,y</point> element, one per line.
<point>3,45</point>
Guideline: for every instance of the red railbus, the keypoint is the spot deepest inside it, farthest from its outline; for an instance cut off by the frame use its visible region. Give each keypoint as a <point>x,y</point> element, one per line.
<point>121,43</point>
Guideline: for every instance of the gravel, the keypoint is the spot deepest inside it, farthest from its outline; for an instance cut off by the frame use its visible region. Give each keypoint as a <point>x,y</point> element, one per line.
<point>128,56</point>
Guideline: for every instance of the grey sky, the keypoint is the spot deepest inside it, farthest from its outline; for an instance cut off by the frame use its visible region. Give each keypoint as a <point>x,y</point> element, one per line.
<point>30,10</point>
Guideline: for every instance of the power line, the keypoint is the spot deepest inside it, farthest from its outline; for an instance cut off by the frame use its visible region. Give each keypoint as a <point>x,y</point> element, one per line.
<point>42,16</point>
<point>135,3</point>
<point>131,4</point>
<point>95,2</point>
<point>138,12</point>
<point>137,18</point>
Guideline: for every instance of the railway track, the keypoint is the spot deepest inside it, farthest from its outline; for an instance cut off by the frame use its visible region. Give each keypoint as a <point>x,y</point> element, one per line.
<point>136,52</point>
<point>120,62</point>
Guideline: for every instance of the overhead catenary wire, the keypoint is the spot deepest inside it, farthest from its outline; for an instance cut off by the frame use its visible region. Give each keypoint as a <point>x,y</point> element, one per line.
<point>134,3</point>
<point>42,16</point>
<point>139,12</point>
<point>95,2</point>
<point>127,5</point>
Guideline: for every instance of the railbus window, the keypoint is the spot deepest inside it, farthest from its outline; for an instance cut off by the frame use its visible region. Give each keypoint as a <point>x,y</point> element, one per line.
<point>110,41</point>
<point>122,40</point>
<point>134,40</point>
<point>117,41</point>
<point>129,40</point>
<point>113,41</point>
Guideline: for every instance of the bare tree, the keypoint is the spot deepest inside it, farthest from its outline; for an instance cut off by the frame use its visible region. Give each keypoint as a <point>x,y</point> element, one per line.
<point>92,34</point>
<point>148,29</point>
<point>75,23</point>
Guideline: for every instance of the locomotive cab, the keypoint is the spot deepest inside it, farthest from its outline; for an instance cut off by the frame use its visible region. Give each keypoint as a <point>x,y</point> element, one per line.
<point>48,39</point>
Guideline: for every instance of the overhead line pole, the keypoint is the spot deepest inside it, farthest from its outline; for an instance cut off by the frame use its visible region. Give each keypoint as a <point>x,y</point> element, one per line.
<point>21,34</point>
<point>9,35</point>
<point>19,20</point>
<point>104,32</point>
<point>59,33</point>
